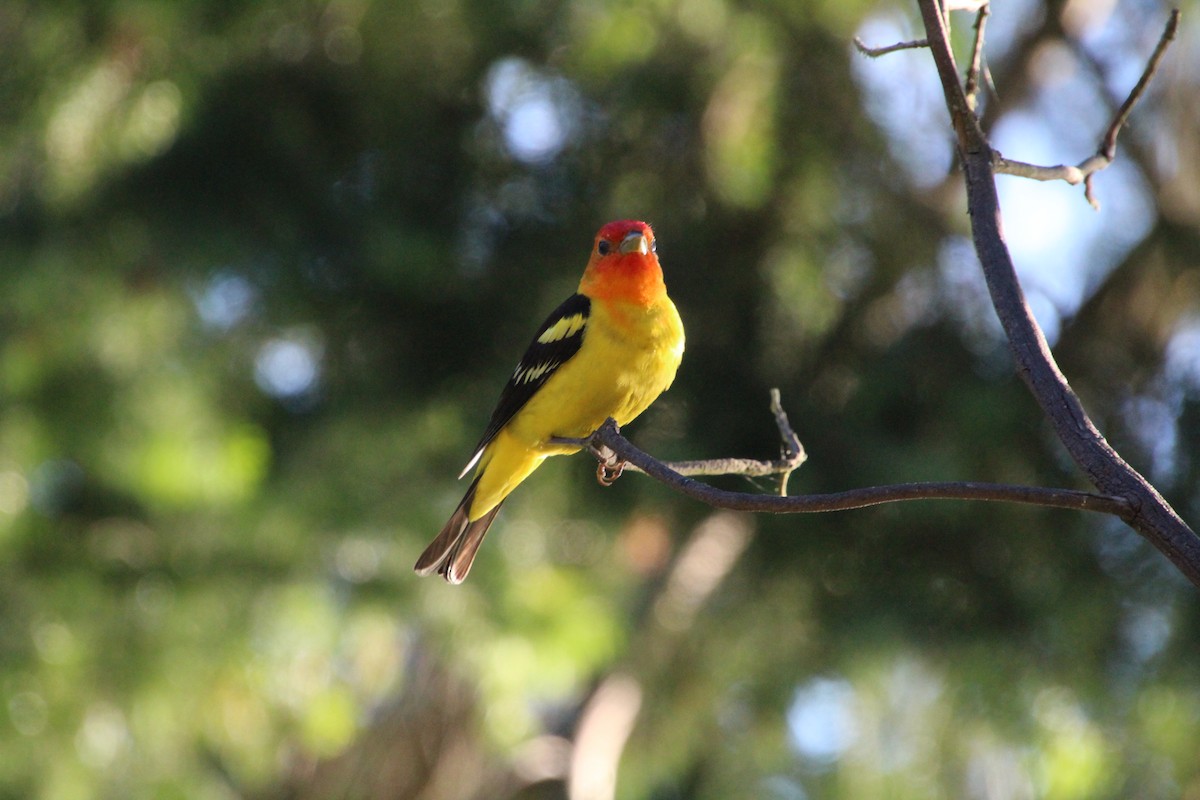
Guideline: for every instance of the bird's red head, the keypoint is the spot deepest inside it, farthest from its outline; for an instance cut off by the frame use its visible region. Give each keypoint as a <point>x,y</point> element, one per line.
<point>615,232</point>
<point>624,264</point>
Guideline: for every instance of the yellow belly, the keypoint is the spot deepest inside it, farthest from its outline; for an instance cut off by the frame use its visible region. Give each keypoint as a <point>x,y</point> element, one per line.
<point>628,358</point>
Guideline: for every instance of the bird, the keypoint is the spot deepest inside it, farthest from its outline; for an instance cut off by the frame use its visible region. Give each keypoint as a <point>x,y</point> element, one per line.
<point>609,350</point>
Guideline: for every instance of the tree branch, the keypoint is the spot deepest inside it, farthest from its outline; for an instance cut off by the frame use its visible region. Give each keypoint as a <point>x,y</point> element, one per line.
<point>610,448</point>
<point>615,452</point>
<point>1107,151</point>
<point>1109,147</point>
<point>1150,515</point>
<point>876,52</point>
<point>972,85</point>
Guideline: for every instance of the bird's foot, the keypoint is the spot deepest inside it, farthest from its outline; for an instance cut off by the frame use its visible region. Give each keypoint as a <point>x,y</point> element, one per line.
<point>607,472</point>
<point>611,465</point>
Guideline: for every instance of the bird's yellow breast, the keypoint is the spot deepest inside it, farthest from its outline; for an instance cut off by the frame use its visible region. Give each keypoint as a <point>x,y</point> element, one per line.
<point>628,357</point>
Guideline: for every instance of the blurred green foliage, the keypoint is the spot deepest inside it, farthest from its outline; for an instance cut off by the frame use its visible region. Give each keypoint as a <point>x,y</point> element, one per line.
<point>264,267</point>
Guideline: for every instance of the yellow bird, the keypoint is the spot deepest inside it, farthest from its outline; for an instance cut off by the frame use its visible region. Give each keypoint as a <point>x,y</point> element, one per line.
<point>608,351</point>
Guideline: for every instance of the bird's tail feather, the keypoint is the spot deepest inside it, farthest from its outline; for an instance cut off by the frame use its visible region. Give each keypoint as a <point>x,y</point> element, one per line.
<point>450,554</point>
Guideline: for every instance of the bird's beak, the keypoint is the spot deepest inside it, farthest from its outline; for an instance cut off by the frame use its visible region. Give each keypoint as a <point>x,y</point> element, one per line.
<point>634,242</point>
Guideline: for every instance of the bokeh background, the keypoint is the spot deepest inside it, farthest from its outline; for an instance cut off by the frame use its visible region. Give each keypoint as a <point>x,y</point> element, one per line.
<point>264,267</point>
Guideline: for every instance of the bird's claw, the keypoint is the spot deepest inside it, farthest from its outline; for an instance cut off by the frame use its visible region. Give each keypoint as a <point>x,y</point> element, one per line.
<point>607,472</point>
<point>611,465</point>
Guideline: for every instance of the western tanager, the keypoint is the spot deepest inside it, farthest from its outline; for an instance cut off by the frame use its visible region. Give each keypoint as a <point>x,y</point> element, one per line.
<point>607,351</point>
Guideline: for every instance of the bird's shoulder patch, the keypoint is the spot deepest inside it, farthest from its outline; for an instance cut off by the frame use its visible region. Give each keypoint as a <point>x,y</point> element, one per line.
<point>556,341</point>
<point>564,327</point>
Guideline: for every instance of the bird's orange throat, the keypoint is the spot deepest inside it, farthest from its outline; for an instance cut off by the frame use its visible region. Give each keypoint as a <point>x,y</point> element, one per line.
<point>633,278</point>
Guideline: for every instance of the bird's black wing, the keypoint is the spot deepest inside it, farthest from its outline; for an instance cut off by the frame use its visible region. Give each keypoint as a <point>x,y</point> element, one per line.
<point>557,340</point>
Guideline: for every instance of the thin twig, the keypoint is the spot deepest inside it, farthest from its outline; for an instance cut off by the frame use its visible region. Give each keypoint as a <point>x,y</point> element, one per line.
<point>1058,172</point>
<point>972,83</point>
<point>609,446</point>
<point>1107,151</point>
<point>1109,147</point>
<point>793,450</point>
<point>876,52</point>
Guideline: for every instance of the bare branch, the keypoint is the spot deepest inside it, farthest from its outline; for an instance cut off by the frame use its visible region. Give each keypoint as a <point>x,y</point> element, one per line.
<point>972,84</point>
<point>876,52</point>
<point>609,446</point>
<point>615,452</point>
<point>1107,151</point>
<point>1109,148</point>
<point>1150,514</point>
<point>793,451</point>
<point>1058,172</point>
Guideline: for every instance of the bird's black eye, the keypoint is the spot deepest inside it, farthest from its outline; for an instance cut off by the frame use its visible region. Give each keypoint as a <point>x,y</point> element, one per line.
<point>654,247</point>
<point>603,247</point>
